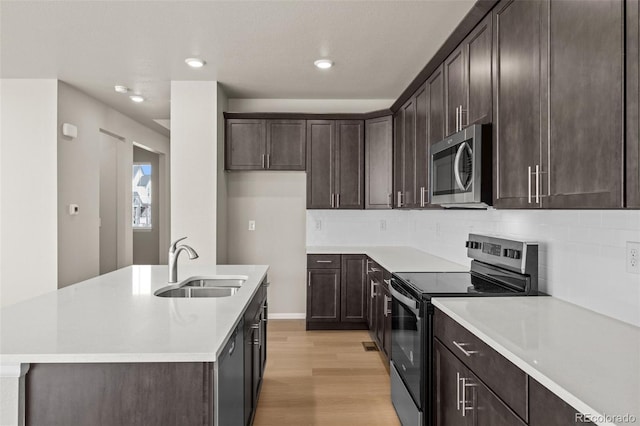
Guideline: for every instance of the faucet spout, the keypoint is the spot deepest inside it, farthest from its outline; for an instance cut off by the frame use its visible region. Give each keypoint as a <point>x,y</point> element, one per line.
<point>174,252</point>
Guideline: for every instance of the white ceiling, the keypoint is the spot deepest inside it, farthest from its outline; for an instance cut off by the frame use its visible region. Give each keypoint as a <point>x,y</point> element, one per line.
<point>261,49</point>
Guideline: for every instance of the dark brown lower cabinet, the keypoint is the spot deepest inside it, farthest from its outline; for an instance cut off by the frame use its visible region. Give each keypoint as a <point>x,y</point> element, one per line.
<point>255,352</point>
<point>462,399</point>
<point>546,409</point>
<point>336,297</point>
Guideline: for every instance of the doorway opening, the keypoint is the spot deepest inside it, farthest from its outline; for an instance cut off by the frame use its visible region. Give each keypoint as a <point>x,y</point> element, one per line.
<point>145,212</point>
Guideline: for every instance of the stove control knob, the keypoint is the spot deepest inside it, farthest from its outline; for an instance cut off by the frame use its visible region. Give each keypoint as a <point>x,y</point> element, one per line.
<point>467,244</point>
<point>516,254</point>
<point>505,252</point>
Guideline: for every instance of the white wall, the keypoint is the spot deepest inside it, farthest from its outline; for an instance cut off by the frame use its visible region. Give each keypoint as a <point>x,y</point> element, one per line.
<point>194,173</point>
<point>309,105</point>
<point>78,182</point>
<point>221,232</point>
<point>582,252</point>
<point>28,204</point>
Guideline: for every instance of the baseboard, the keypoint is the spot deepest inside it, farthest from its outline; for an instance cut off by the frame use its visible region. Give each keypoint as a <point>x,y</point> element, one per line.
<point>275,316</point>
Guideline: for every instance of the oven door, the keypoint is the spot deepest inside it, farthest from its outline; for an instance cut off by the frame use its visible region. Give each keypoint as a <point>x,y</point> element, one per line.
<point>456,168</point>
<point>406,342</point>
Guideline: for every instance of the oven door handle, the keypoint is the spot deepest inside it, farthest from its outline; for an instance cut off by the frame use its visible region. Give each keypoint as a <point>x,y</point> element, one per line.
<point>456,166</point>
<point>409,303</point>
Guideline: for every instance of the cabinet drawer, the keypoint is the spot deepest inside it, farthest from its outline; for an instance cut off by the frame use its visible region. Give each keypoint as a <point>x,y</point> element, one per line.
<point>323,261</point>
<point>498,373</point>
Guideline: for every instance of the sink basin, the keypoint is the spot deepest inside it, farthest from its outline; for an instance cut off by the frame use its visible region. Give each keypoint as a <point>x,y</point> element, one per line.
<point>214,282</point>
<point>188,292</point>
<point>220,286</point>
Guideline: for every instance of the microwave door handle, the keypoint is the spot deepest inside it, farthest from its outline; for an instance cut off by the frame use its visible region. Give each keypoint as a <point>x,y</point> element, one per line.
<point>456,167</point>
<point>409,303</point>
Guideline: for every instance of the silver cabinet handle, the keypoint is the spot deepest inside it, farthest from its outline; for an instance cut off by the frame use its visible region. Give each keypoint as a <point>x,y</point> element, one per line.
<point>332,205</point>
<point>457,119</point>
<point>461,118</point>
<point>232,348</point>
<point>375,270</point>
<point>387,309</point>
<point>338,200</point>
<point>324,261</point>
<point>385,305</point>
<point>529,176</point>
<point>463,403</point>
<point>268,161</point>
<point>457,391</point>
<point>309,279</point>
<point>264,161</point>
<point>464,351</point>
<point>399,198</point>
<point>537,183</point>
<point>387,282</point>
<point>373,289</point>
<point>422,196</point>
<point>390,200</point>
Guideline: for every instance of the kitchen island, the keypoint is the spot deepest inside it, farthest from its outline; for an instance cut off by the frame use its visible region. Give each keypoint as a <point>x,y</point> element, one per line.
<point>110,341</point>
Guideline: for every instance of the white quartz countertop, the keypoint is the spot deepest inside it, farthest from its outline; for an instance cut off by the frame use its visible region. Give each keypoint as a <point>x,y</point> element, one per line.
<point>396,259</point>
<point>589,360</point>
<point>116,318</point>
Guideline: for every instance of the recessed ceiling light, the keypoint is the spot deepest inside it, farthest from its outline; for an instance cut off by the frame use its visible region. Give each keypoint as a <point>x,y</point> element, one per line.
<point>136,98</point>
<point>121,89</point>
<point>195,62</point>
<point>323,64</point>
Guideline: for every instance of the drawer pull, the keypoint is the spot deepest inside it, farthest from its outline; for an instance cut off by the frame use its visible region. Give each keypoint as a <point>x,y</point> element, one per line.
<point>464,351</point>
<point>324,261</point>
<point>387,282</point>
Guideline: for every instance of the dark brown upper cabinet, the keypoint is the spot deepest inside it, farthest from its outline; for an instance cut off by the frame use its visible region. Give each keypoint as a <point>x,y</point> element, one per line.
<point>405,153</point>
<point>454,89</point>
<point>335,164</point>
<point>467,72</point>
<point>245,144</point>
<point>286,145</point>
<point>517,123</point>
<point>633,104</point>
<point>436,107</point>
<point>421,166</point>
<point>379,163</point>
<point>585,93</point>
<point>265,144</point>
<point>558,115</point>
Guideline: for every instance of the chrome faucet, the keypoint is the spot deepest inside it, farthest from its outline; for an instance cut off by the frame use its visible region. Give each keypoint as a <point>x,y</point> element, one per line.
<point>174,252</point>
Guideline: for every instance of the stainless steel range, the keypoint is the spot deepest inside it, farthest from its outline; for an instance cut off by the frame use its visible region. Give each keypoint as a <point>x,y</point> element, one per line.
<point>500,267</point>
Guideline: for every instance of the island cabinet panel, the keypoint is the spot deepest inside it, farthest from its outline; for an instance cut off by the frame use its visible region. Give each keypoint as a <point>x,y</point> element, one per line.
<point>517,124</point>
<point>245,147</point>
<point>286,145</point>
<point>633,104</point>
<point>378,163</point>
<point>255,340</point>
<point>255,144</point>
<point>120,394</point>
<point>546,409</point>
<point>323,295</point>
<point>353,306</point>
<point>586,100</point>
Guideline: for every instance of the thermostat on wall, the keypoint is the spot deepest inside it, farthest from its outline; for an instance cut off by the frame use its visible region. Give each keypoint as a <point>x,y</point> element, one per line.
<point>69,130</point>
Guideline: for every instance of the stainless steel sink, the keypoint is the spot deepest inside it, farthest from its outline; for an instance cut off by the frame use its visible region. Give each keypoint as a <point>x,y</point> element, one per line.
<point>197,292</point>
<point>221,286</point>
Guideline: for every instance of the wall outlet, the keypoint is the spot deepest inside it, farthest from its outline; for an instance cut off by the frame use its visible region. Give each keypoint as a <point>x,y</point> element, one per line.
<point>318,225</point>
<point>383,225</point>
<point>252,225</point>
<point>633,257</point>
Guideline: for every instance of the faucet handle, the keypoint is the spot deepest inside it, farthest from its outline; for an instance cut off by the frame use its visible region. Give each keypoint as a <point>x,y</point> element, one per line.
<point>174,245</point>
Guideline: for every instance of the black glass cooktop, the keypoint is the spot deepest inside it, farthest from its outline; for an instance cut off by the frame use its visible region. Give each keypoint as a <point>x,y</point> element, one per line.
<point>434,284</point>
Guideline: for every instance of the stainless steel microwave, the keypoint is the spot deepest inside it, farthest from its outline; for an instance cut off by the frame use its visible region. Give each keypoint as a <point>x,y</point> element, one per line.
<point>461,169</point>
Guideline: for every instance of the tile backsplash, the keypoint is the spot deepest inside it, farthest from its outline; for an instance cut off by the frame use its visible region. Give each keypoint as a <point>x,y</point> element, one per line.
<point>582,252</point>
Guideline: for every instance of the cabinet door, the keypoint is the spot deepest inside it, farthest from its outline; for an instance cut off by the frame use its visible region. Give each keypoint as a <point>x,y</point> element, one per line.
<point>436,107</point>
<point>517,111</point>
<point>486,408</point>
<point>585,95</point>
<point>386,310</point>
<point>448,371</point>
<point>353,301</point>
<point>455,89</point>
<point>633,104</point>
<point>323,295</point>
<point>408,198</point>
<point>421,150</point>
<point>478,72</point>
<point>320,164</point>
<point>349,164</point>
<point>546,409</point>
<point>398,156</point>
<point>245,144</point>
<point>379,163</point>
<point>286,144</point>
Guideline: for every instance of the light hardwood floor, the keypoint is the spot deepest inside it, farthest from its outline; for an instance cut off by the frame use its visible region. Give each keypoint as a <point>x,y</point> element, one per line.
<point>322,378</point>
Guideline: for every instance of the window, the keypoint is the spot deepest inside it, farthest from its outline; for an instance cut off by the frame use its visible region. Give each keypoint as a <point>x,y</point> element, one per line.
<point>141,196</point>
